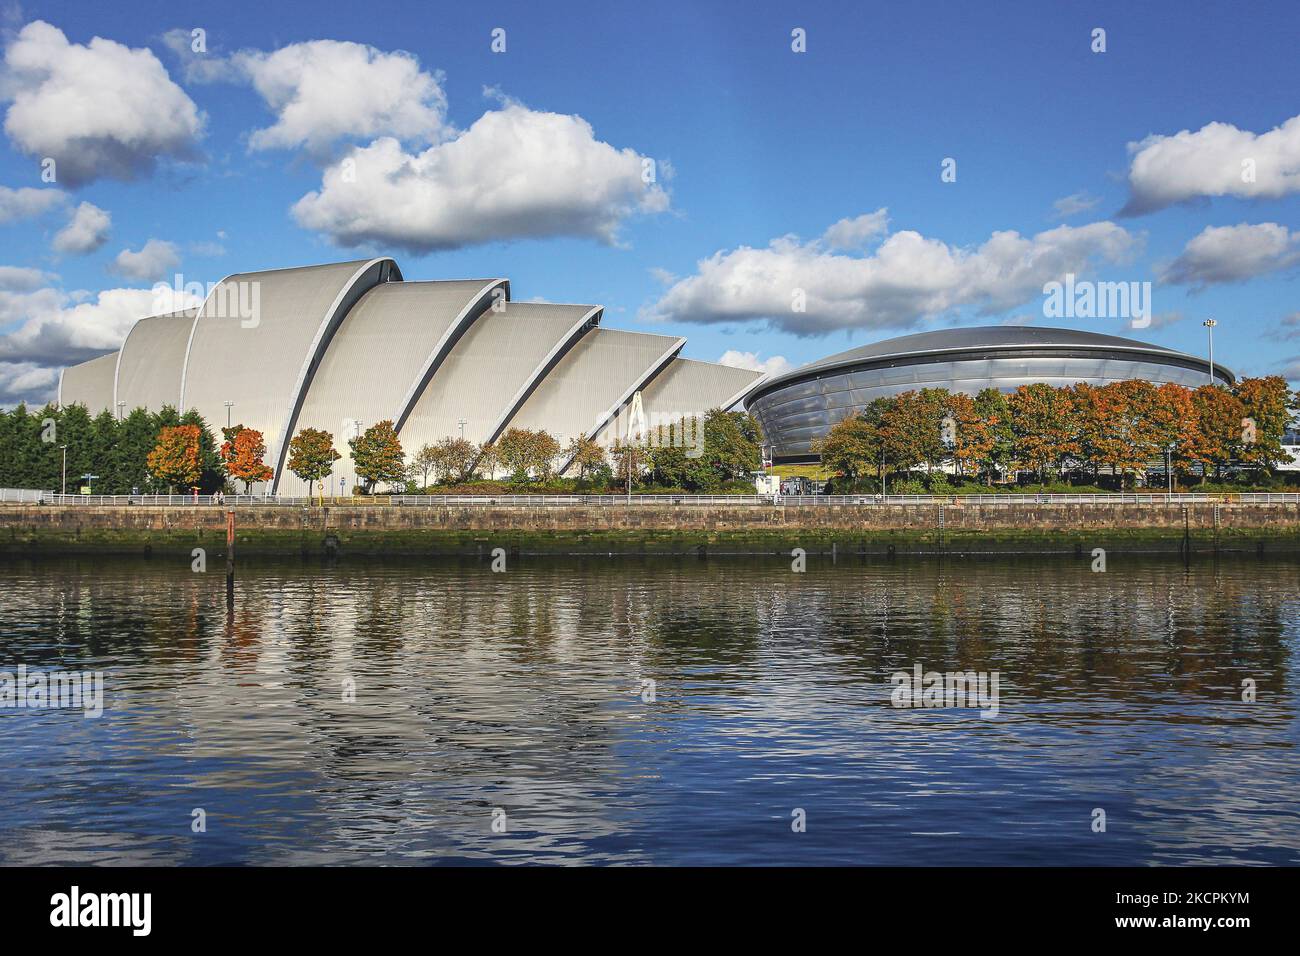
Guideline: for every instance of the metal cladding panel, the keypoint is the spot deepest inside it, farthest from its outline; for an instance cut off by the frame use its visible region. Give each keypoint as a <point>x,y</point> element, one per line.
<point>377,356</point>
<point>90,384</point>
<point>684,389</point>
<point>497,358</point>
<point>791,420</point>
<point>256,359</point>
<point>149,371</point>
<point>592,381</point>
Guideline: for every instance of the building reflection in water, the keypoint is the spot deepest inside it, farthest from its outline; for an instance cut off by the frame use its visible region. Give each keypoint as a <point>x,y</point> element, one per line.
<point>522,691</point>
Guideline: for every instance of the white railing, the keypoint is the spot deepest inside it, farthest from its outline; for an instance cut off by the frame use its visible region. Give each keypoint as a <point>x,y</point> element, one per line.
<point>21,495</point>
<point>614,501</point>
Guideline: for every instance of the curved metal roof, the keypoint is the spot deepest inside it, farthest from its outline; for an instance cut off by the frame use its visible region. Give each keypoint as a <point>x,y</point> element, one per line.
<point>593,380</point>
<point>686,387</point>
<point>492,370</point>
<point>89,384</point>
<point>999,338</point>
<point>382,354</point>
<point>259,338</point>
<point>149,365</point>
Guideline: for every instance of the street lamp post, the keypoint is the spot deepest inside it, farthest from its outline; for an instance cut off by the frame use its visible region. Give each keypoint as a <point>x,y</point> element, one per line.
<point>65,468</point>
<point>1210,324</point>
<point>1169,465</point>
<point>121,406</point>
<point>229,406</point>
<point>356,436</point>
<point>461,423</point>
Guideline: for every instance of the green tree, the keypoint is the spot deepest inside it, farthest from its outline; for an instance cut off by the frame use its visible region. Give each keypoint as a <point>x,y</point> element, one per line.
<point>107,453</point>
<point>213,476</point>
<point>586,455</point>
<point>137,434</point>
<point>378,456</point>
<point>425,460</point>
<point>851,449</point>
<point>312,457</point>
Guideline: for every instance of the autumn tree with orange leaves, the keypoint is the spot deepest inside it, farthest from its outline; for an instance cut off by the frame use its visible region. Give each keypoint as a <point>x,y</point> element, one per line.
<point>175,459</point>
<point>1121,429</point>
<point>242,453</point>
<point>1044,427</point>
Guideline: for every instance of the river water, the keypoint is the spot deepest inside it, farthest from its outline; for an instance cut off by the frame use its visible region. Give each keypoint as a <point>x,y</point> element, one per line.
<point>664,711</point>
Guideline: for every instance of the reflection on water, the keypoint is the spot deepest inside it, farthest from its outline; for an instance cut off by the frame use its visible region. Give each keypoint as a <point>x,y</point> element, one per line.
<point>522,691</point>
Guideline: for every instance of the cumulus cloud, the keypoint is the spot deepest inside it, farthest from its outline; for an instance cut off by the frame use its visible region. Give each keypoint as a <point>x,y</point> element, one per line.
<point>22,279</point>
<point>27,382</point>
<point>776,365</point>
<point>1073,204</point>
<point>85,232</point>
<point>1217,160</point>
<point>99,110</point>
<point>323,91</point>
<point>806,289</point>
<point>26,202</point>
<point>515,173</point>
<point>56,329</point>
<point>155,259</point>
<point>858,232</point>
<point>1221,254</point>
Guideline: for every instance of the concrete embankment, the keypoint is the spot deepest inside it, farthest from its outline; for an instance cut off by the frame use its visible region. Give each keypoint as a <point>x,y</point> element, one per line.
<point>843,529</point>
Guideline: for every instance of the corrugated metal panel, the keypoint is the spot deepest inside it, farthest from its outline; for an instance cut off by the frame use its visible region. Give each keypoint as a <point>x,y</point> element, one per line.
<point>379,355</point>
<point>593,380</point>
<point>496,364</point>
<point>1003,337</point>
<point>262,361</point>
<point>791,420</point>
<point>149,370</point>
<point>685,389</point>
<point>90,384</point>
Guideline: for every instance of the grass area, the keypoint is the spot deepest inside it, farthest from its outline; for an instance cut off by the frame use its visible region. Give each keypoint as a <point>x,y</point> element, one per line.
<point>813,472</point>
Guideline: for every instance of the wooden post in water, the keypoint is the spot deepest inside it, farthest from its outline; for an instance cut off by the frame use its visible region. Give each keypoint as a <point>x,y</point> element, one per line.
<point>230,558</point>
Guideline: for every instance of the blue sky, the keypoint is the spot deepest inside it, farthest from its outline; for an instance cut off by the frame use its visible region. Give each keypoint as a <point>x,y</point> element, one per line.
<point>752,142</point>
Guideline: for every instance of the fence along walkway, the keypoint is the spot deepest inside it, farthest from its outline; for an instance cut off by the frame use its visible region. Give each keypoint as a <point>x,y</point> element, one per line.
<point>30,496</point>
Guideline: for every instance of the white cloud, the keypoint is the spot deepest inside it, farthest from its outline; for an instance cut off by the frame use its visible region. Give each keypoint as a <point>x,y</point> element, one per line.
<point>858,232</point>
<point>1173,169</point>
<point>776,365</point>
<point>515,173</point>
<point>906,279</point>
<point>99,110</point>
<point>155,259</point>
<point>22,279</point>
<point>324,91</point>
<point>85,232</point>
<point>57,329</point>
<point>1073,205</point>
<point>26,382</point>
<point>1233,254</point>
<point>26,202</point>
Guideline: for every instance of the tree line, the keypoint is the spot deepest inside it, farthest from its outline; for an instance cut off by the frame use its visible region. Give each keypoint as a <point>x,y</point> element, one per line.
<point>1083,431</point>
<point>170,452</point>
